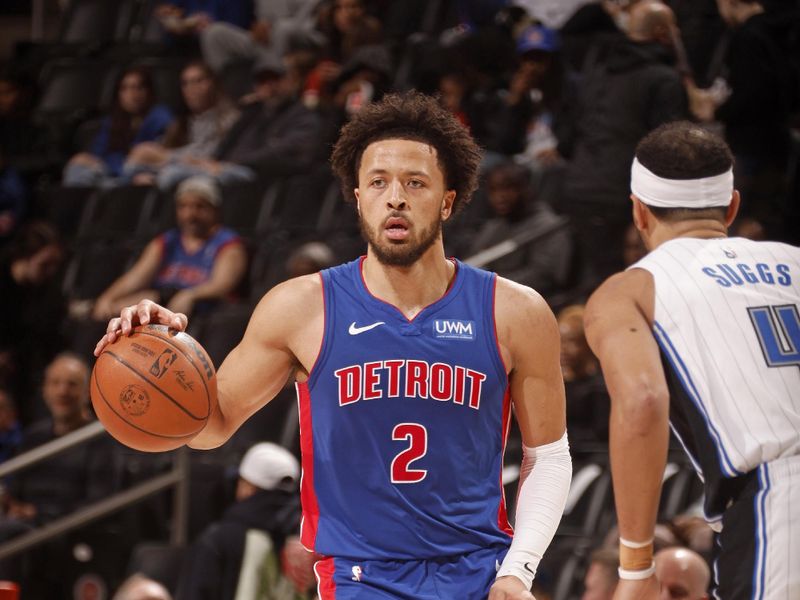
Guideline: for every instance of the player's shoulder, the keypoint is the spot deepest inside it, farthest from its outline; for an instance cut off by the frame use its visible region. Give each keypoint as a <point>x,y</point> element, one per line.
<point>522,315</point>
<point>519,305</point>
<point>510,294</point>
<point>296,298</point>
<point>631,290</point>
<point>631,283</point>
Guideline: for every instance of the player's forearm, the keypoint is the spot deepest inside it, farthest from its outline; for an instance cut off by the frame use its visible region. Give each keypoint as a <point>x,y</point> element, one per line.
<point>639,433</point>
<point>217,431</point>
<point>544,484</point>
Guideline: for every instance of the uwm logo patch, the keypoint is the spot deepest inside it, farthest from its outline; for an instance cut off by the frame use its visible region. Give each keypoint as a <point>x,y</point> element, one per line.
<point>453,329</point>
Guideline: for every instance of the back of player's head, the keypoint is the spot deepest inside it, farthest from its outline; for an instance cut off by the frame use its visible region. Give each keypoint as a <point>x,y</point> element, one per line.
<point>416,117</point>
<point>683,171</point>
<point>682,150</point>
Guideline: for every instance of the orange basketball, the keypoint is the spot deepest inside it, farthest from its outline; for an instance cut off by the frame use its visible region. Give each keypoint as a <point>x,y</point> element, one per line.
<point>154,389</point>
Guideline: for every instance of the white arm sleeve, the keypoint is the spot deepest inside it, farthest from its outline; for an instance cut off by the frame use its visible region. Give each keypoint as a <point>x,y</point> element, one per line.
<point>543,487</point>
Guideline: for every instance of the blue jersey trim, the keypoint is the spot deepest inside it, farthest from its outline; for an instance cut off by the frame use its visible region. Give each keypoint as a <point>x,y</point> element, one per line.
<point>327,330</point>
<point>761,532</point>
<point>688,385</point>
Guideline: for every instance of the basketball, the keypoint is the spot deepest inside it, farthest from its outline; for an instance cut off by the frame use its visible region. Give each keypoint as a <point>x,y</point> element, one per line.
<point>154,389</point>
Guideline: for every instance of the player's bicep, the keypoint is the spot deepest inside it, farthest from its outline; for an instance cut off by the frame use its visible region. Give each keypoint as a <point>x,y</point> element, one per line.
<point>537,386</point>
<point>619,334</point>
<point>250,376</point>
<point>260,365</point>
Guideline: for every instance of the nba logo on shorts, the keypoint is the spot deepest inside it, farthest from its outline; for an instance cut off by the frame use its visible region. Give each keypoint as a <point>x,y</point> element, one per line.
<point>356,573</point>
<point>453,329</point>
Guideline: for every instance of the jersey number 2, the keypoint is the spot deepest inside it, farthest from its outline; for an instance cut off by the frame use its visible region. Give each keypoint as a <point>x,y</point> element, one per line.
<point>778,330</point>
<point>417,437</point>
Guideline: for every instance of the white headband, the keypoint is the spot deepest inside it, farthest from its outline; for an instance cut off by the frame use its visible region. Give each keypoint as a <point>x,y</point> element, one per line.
<point>680,193</point>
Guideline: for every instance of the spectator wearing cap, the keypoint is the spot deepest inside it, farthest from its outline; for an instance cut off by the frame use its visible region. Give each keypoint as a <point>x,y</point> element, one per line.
<point>502,121</point>
<point>346,26</point>
<point>191,266</point>
<point>364,78</point>
<point>240,551</point>
<point>275,135</point>
<point>537,87</point>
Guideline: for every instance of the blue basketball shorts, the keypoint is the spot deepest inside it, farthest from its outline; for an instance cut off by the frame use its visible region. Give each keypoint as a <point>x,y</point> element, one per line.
<point>466,577</point>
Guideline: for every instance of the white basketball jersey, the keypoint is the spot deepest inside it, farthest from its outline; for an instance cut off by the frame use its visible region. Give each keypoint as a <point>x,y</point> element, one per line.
<point>727,323</point>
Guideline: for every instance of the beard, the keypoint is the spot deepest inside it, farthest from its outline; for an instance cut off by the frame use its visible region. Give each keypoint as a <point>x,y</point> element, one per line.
<point>405,253</point>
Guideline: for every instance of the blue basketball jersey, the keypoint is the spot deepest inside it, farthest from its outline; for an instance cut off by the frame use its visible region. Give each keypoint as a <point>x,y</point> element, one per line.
<point>403,424</point>
<point>180,269</point>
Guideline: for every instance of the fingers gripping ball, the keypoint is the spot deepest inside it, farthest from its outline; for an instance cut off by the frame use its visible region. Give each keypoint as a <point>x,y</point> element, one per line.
<point>154,389</point>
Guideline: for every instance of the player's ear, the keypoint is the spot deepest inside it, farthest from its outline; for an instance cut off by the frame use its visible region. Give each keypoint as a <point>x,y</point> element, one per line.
<point>447,204</point>
<point>358,200</point>
<point>733,208</point>
<point>640,213</point>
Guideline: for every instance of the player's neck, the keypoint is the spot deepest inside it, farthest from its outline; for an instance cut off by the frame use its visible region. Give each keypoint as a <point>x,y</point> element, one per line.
<point>411,288</point>
<point>702,229</point>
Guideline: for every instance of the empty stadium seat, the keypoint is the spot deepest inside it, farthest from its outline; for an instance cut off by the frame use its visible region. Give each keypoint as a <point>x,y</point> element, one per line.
<point>73,87</point>
<point>245,207</point>
<point>589,507</point>
<point>166,74</point>
<point>93,267</point>
<point>220,330</point>
<point>120,213</point>
<point>63,207</point>
<point>97,21</point>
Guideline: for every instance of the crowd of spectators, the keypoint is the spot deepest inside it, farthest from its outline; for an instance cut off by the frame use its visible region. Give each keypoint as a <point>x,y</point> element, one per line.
<point>216,120</point>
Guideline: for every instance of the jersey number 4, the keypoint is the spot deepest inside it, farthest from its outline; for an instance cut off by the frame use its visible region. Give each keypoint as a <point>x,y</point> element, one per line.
<point>417,437</point>
<point>778,330</point>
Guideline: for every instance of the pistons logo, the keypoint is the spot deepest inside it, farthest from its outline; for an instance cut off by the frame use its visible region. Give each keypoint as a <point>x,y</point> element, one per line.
<point>134,400</point>
<point>162,363</point>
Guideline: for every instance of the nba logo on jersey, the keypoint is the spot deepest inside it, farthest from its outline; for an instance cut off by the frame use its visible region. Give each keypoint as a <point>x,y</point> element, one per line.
<point>453,329</point>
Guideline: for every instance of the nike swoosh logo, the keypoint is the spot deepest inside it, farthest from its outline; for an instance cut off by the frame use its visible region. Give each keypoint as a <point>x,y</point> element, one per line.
<point>527,568</point>
<point>356,330</point>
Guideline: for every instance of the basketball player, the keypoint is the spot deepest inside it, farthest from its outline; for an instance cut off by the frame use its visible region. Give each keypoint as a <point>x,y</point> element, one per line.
<point>703,332</point>
<point>406,363</point>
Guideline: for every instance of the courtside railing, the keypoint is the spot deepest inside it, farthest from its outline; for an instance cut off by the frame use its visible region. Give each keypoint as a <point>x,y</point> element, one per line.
<point>177,478</point>
<point>532,234</point>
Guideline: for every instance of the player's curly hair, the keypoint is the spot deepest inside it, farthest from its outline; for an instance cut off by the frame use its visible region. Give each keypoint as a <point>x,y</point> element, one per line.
<point>410,116</point>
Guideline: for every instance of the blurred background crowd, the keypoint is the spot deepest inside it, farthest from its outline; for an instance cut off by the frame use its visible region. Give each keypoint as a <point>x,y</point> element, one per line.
<point>179,151</point>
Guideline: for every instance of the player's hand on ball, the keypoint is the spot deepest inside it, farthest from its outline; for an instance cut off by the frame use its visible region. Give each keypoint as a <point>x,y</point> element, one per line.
<point>142,313</point>
<point>509,588</point>
<point>645,589</point>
